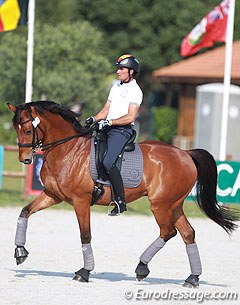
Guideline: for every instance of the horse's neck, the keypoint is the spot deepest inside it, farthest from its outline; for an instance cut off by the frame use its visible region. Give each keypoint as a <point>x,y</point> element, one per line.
<point>58,129</point>
<point>62,130</point>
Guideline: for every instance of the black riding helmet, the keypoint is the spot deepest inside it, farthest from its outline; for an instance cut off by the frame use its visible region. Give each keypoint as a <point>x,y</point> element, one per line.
<point>128,61</point>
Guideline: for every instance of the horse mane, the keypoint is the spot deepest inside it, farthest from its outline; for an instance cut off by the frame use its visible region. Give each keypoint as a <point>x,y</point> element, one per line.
<point>42,106</point>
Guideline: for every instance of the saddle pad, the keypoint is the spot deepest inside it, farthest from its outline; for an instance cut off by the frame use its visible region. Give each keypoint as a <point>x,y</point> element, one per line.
<point>131,170</point>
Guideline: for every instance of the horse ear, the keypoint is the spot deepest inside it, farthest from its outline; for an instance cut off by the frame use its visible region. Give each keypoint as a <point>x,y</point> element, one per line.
<point>11,107</point>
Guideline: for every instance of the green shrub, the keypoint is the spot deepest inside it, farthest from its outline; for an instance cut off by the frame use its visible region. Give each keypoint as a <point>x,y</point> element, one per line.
<point>7,133</point>
<point>165,123</point>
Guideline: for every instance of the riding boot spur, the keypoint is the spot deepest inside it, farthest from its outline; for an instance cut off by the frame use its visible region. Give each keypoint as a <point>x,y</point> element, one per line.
<point>117,184</point>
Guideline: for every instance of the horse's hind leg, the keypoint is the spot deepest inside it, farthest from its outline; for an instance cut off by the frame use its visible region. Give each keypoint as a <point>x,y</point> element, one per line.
<point>188,236</point>
<point>167,231</point>
<point>43,201</point>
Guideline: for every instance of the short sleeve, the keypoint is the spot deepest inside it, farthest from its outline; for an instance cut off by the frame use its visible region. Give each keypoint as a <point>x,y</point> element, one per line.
<point>136,97</point>
<point>111,93</point>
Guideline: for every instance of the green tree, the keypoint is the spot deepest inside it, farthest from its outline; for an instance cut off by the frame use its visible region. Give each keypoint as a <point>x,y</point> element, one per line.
<point>151,29</point>
<point>165,123</point>
<point>70,65</point>
<point>54,11</point>
<point>7,134</point>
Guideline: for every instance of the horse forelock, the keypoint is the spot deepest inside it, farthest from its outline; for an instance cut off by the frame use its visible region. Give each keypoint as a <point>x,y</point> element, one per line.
<point>19,109</point>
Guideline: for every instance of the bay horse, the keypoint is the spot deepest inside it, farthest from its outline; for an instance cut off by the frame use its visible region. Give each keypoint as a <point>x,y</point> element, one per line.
<point>169,175</point>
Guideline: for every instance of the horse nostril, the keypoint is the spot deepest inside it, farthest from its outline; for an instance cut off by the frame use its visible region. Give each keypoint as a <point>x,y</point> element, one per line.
<point>27,161</point>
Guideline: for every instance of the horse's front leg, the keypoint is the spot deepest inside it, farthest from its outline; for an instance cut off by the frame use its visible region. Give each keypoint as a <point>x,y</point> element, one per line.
<point>82,211</point>
<point>43,201</point>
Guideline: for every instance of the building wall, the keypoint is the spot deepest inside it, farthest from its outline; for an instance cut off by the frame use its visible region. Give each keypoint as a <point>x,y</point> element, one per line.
<point>187,104</point>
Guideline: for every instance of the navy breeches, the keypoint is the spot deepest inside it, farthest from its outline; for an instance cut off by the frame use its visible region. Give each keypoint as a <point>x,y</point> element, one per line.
<point>117,138</point>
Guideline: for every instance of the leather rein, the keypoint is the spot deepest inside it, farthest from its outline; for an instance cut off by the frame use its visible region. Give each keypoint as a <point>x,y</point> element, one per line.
<point>37,142</point>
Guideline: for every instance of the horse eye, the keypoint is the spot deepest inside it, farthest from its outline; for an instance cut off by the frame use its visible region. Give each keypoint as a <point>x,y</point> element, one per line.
<point>28,132</point>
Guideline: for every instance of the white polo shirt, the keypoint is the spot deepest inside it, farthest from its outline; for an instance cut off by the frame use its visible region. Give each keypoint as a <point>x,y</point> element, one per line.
<point>121,96</point>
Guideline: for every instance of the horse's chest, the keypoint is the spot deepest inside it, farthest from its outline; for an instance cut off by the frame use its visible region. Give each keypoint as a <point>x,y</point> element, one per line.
<point>54,183</point>
<point>50,183</point>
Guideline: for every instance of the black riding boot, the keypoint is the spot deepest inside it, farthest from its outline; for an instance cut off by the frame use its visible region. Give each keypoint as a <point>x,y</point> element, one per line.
<point>117,184</point>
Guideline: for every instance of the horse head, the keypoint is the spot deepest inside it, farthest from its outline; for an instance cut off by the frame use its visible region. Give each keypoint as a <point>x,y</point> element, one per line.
<point>44,121</point>
<point>30,134</point>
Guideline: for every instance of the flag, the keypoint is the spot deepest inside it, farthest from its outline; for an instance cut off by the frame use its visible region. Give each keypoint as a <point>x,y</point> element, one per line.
<point>12,14</point>
<point>212,28</point>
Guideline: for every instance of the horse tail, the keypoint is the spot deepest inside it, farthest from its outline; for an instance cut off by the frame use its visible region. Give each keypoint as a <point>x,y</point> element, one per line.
<point>206,191</point>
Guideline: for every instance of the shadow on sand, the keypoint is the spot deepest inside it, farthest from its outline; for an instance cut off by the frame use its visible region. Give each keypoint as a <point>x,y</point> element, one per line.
<point>107,276</point>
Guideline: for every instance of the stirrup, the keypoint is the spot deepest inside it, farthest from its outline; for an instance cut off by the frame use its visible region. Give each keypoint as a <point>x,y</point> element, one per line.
<point>118,209</point>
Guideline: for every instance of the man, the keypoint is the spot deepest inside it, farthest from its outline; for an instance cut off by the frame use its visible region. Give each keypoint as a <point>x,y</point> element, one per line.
<point>116,119</point>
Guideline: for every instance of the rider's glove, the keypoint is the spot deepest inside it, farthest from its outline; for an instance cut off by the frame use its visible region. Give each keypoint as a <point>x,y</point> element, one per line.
<point>89,121</point>
<point>103,124</point>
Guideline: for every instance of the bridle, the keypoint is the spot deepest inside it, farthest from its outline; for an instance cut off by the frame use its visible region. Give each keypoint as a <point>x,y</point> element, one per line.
<point>37,142</point>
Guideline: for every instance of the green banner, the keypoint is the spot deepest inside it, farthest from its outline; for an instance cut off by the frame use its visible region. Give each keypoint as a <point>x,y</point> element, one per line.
<point>228,189</point>
<point>1,164</point>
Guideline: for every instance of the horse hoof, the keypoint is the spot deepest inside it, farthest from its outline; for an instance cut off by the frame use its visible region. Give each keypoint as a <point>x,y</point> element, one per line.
<point>21,255</point>
<point>20,260</point>
<point>140,277</point>
<point>142,271</point>
<point>78,278</point>
<point>192,281</point>
<point>82,275</point>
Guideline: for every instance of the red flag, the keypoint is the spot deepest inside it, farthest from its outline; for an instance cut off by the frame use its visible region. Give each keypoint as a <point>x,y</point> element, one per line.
<point>211,29</point>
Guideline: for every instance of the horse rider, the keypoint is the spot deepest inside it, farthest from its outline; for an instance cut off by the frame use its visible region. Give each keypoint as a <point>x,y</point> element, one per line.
<point>116,119</point>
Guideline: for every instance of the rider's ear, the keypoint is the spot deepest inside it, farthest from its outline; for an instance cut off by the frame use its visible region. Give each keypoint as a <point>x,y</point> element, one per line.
<point>11,107</point>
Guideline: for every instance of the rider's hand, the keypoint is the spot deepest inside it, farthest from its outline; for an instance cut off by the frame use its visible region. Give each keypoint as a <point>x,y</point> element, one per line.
<point>103,124</point>
<point>89,121</point>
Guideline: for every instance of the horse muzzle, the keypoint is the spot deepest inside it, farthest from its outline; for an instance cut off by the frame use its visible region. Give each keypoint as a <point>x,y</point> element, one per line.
<point>25,157</point>
<point>27,161</point>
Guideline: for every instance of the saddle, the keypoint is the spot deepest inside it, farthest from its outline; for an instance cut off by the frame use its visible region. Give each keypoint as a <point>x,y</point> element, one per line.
<point>100,142</point>
<point>129,163</point>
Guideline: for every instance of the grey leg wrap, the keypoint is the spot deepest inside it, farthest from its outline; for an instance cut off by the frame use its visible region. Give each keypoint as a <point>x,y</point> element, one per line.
<point>20,237</point>
<point>152,250</point>
<point>88,256</point>
<point>194,259</point>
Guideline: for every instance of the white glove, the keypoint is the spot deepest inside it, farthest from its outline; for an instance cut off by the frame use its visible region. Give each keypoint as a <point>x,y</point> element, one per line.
<point>103,124</point>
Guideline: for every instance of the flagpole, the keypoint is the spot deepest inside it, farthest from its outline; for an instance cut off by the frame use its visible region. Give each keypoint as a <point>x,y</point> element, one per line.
<point>30,47</point>
<point>29,72</point>
<point>227,80</point>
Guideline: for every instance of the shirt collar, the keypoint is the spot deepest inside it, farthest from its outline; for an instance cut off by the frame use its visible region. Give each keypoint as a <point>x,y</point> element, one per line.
<point>131,83</point>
